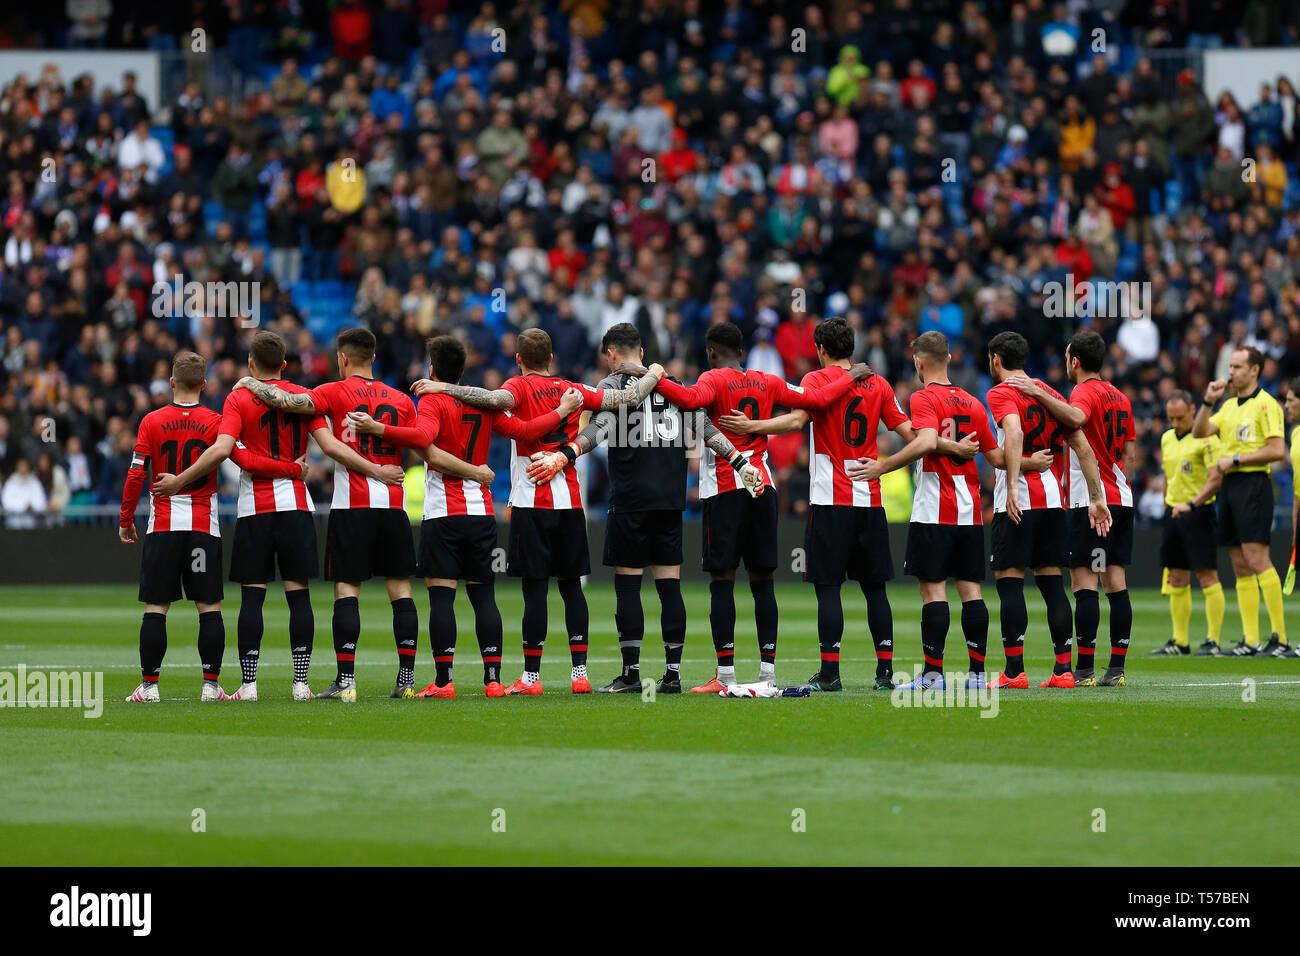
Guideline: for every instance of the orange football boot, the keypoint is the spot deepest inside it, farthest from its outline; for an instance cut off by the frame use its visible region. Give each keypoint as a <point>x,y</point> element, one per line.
<point>1059,680</point>
<point>519,688</point>
<point>581,685</point>
<point>1003,682</point>
<point>494,689</point>
<point>433,690</point>
<point>714,686</point>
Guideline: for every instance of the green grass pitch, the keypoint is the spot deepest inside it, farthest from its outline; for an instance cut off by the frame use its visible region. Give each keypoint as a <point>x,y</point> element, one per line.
<point>1184,769</point>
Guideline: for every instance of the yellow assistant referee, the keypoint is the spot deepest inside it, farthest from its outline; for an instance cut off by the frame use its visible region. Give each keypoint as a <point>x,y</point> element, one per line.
<point>1190,530</point>
<point>1250,430</point>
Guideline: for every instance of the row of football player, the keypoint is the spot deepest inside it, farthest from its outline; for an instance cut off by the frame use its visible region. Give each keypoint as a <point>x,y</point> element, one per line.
<point>548,535</point>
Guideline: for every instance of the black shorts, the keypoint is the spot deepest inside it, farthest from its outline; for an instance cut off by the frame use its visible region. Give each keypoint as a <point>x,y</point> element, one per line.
<point>1088,550</point>
<point>458,547</point>
<point>361,543</point>
<point>937,552</point>
<point>174,560</point>
<point>1190,543</point>
<point>640,539</point>
<point>286,537</point>
<point>1039,541</point>
<point>548,543</point>
<point>1246,508</point>
<point>843,541</point>
<point>740,528</point>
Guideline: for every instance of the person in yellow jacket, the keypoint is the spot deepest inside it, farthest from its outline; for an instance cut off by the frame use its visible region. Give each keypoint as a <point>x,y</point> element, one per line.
<point>1190,530</point>
<point>345,181</point>
<point>1250,430</point>
<point>845,80</point>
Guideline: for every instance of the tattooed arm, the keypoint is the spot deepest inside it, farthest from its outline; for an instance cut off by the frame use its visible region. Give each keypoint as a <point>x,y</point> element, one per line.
<point>491,399</point>
<point>635,392</point>
<point>712,436</point>
<point>597,430</point>
<point>299,403</point>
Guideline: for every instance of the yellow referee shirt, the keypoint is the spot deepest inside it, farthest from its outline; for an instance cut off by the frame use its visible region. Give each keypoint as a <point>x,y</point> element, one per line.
<point>1246,424</point>
<point>1295,453</point>
<point>1187,461</point>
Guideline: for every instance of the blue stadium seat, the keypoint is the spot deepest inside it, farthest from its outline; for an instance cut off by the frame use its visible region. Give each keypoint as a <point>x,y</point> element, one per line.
<point>1173,196</point>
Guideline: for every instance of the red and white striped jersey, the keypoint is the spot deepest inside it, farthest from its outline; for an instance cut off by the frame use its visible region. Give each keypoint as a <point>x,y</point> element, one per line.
<point>1042,433</point>
<point>947,487</point>
<point>335,400</point>
<point>1108,428</point>
<point>535,395</point>
<point>753,394</point>
<point>844,431</point>
<point>464,431</point>
<point>275,434</point>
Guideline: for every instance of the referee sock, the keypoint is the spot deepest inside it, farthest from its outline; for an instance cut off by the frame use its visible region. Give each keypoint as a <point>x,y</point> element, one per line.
<point>153,645</point>
<point>406,634</point>
<point>975,628</point>
<point>830,627</point>
<point>249,631</point>
<point>880,620</point>
<point>1180,613</point>
<point>302,629</point>
<point>534,626</point>
<point>1121,627</point>
<point>442,631</point>
<point>722,621</point>
<point>1248,604</point>
<point>1270,585</point>
<point>629,620</point>
<point>672,623</point>
<point>765,620</point>
<point>212,643</point>
<point>1087,617</point>
<point>1059,619</point>
<point>487,628</point>
<point>934,634</point>
<point>1215,608</point>
<point>1013,617</point>
<point>347,629</point>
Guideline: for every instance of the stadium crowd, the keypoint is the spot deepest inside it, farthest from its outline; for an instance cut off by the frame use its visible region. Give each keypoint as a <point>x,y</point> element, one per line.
<point>911,165</point>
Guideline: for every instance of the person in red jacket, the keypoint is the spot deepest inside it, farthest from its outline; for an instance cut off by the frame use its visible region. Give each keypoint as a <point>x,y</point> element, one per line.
<point>350,25</point>
<point>678,160</point>
<point>1116,195</point>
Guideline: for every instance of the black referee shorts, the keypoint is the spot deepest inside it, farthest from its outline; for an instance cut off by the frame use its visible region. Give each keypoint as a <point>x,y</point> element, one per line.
<point>172,562</point>
<point>740,528</point>
<point>1190,543</point>
<point>842,541</point>
<point>937,552</point>
<point>286,537</point>
<point>1245,508</point>
<point>643,539</point>
<point>362,543</point>
<point>548,543</point>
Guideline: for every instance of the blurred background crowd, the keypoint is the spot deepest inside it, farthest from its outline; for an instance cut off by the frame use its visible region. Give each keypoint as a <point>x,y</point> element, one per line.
<point>483,168</point>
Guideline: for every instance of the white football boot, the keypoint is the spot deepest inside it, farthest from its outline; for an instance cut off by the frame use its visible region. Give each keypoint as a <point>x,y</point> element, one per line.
<point>212,691</point>
<point>146,693</point>
<point>301,691</point>
<point>245,692</point>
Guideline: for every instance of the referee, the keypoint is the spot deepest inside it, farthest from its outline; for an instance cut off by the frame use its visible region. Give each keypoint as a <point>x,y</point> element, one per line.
<point>1191,481</point>
<point>1249,426</point>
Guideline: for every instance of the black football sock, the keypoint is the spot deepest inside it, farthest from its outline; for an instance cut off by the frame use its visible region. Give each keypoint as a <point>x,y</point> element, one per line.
<point>934,634</point>
<point>1087,615</point>
<point>672,623</point>
<point>406,635</point>
<point>576,622</point>
<point>1013,616</point>
<point>534,625</point>
<point>442,631</point>
<point>302,629</point>
<point>1121,627</point>
<point>629,619</point>
<point>1059,618</point>
<point>487,628</point>
<point>212,643</point>
<point>830,627</point>
<point>153,645</point>
<point>975,628</point>
<point>347,630</point>
<point>765,618</point>
<point>722,620</point>
<point>880,619</point>
<point>248,631</point>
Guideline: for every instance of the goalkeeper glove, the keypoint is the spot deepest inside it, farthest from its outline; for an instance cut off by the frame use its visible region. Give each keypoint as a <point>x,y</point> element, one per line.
<point>547,464</point>
<point>750,476</point>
